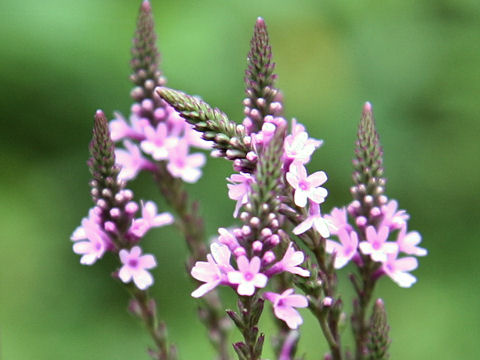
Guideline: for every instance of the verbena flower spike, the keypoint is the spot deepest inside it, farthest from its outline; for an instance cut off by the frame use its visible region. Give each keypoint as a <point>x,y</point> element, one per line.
<point>283,251</point>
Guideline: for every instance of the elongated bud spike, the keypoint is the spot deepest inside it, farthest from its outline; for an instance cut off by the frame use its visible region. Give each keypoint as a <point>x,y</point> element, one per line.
<point>259,80</point>
<point>102,162</point>
<point>368,162</point>
<point>378,340</point>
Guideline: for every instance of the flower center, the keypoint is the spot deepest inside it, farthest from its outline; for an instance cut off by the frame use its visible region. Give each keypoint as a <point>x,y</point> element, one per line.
<point>303,185</point>
<point>133,263</point>
<point>248,276</point>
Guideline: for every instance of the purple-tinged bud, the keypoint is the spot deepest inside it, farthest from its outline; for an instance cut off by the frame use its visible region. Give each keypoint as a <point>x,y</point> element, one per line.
<point>216,153</point>
<point>115,213</point>
<point>93,183</point>
<point>244,216</point>
<point>254,221</point>
<point>137,93</point>
<point>375,211</point>
<point>268,257</point>
<point>94,192</point>
<point>237,165</point>
<point>246,111</point>
<point>274,240</point>
<point>247,140</point>
<point>159,113</point>
<point>276,107</point>
<point>382,199</point>
<point>102,204</point>
<point>119,198</point>
<point>251,156</point>
<point>361,221</point>
<point>136,109</point>
<point>239,251</point>
<point>237,233</point>
<point>327,301</point>
<point>149,84</point>
<point>257,246</point>
<point>246,230</point>
<point>274,224</point>
<point>110,226</point>
<point>247,102</point>
<point>266,232</point>
<point>368,199</point>
<point>131,207</point>
<point>106,193</point>
<point>255,114</point>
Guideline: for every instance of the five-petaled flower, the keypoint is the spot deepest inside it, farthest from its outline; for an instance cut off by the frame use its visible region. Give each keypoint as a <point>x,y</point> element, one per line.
<point>248,277</point>
<point>306,187</point>
<point>135,266</point>
<point>284,304</point>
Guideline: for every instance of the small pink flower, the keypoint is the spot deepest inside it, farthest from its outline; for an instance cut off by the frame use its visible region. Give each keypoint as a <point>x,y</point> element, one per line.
<point>407,242</point>
<point>344,251</point>
<point>194,138</point>
<point>298,146</point>
<point>284,304</point>
<point>131,161</point>
<point>290,261</point>
<point>306,187</point>
<point>119,129</point>
<point>376,245</point>
<point>157,142</point>
<point>391,217</point>
<point>150,219</point>
<point>397,269</point>
<point>135,266</point>
<point>185,166</point>
<point>228,239</point>
<point>314,219</point>
<point>90,240</point>
<point>248,277</point>
<point>239,189</point>
<point>213,271</point>
<point>337,219</point>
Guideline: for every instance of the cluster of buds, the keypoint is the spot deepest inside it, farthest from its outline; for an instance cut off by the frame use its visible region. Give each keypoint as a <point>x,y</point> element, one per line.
<point>112,224</point>
<point>374,218</point>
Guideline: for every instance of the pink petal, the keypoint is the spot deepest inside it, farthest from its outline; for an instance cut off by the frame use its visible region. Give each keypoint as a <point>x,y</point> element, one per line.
<point>289,315</point>
<point>196,160</point>
<point>317,178</point>
<point>235,277</point>
<point>300,197</point>
<point>124,256</point>
<point>406,264</point>
<point>292,180</point>
<point>303,226</point>
<point>260,280</point>
<point>143,280</point>
<point>243,264</point>
<point>205,288</point>
<point>147,261</point>
<point>318,195</point>
<point>296,300</point>
<point>163,219</point>
<point>246,288</point>
<point>124,274</point>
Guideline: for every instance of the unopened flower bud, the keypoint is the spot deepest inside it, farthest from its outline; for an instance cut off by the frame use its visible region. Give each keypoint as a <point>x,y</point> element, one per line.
<point>115,212</point>
<point>269,257</point>
<point>257,246</point>
<point>375,211</point>
<point>266,232</point>
<point>246,230</point>
<point>131,207</point>
<point>110,226</point>
<point>327,301</point>
<point>254,221</point>
<point>239,251</point>
<point>361,221</point>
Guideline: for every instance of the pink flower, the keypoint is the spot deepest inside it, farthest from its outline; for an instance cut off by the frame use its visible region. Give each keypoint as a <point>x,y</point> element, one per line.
<point>337,219</point>
<point>157,142</point>
<point>397,269</point>
<point>239,189</point>
<point>184,166</point>
<point>150,219</point>
<point>135,267</point>
<point>344,251</point>
<point>119,129</point>
<point>376,245</point>
<point>90,240</point>
<point>298,146</point>
<point>213,272</point>
<point>284,304</point>
<point>194,138</point>
<point>314,219</point>
<point>290,261</point>
<point>391,217</point>
<point>228,239</point>
<point>131,161</point>
<point>407,242</point>
<point>248,276</point>
<point>306,187</point>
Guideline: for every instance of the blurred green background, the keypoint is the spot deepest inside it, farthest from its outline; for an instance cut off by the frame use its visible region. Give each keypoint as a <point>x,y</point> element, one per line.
<point>417,62</point>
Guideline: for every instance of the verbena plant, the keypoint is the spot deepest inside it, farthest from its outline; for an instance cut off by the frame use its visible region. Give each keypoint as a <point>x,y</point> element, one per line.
<point>283,243</point>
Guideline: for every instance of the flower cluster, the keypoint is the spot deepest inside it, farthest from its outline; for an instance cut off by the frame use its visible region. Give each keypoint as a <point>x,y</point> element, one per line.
<point>111,224</point>
<point>375,218</point>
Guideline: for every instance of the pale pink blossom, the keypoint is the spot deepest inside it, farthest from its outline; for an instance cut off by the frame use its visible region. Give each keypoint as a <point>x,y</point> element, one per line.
<point>185,166</point>
<point>298,146</point>
<point>337,219</point>
<point>376,245</point>
<point>284,305</point>
<point>131,161</point>
<point>120,129</point>
<point>290,261</point>
<point>150,218</point>
<point>90,240</point>
<point>228,239</point>
<point>306,187</point>
<point>157,142</point>
<point>135,266</point>
<point>239,189</point>
<point>345,250</point>
<point>391,217</point>
<point>213,271</point>
<point>397,269</point>
<point>314,220</point>
<point>407,242</point>
<point>248,277</point>
<point>194,138</point>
